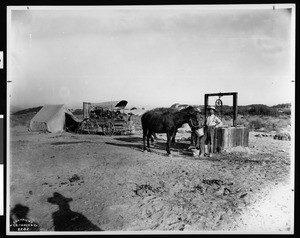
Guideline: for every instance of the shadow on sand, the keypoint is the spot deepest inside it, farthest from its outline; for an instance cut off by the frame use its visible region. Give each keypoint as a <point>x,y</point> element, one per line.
<point>19,220</point>
<point>67,220</point>
<point>131,139</point>
<point>137,143</point>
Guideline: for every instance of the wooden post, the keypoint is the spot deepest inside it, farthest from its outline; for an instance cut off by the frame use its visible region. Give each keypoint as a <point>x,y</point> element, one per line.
<point>205,104</point>
<point>234,109</point>
<point>86,106</point>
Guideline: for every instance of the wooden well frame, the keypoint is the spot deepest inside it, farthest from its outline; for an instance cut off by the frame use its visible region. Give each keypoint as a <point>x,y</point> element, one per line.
<point>235,101</point>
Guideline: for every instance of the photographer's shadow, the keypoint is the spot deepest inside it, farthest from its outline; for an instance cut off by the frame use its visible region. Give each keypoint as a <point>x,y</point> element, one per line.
<point>65,219</point>
<point>19,220</point>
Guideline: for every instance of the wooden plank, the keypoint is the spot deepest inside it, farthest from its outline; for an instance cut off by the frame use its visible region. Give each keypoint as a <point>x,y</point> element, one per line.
<point>237,137</point>
<point>221,94</point>
<point>246,137</point>
<point>215,141</point>
<point>221,148</point>
<point>241,136</point>
<point>219,140</point>
<point>230,137</point>
<point>225,143</point>
<point>234,137</point>
<point>239,132</point>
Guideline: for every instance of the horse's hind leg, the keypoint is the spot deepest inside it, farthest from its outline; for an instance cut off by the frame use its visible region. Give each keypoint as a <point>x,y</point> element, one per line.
<point>173,138</point>
<point>148,140</point>
<point>144,138</point>
<point>144,142</point>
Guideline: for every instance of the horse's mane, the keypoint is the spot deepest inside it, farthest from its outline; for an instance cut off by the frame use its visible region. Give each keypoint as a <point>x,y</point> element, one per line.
<point>164,109</point>
<point>167,110</point>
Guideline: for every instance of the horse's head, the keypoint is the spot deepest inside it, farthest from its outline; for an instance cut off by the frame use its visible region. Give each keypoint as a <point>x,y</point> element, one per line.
<point>194,115</point>
<point>191,111</point>
<point>196,121</point>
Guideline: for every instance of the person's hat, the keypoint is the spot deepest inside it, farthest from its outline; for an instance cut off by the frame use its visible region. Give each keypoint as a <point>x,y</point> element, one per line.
<point>59,199</point>
<point>211,108</point>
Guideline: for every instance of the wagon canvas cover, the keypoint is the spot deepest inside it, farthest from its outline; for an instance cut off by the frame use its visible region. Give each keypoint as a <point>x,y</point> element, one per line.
<point>111,105</point>
<point>53,118</point>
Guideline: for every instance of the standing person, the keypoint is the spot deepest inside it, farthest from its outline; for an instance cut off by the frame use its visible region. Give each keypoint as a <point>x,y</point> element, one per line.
<point>212,121</point>
<point>194,125</point>
<point>131,124</point>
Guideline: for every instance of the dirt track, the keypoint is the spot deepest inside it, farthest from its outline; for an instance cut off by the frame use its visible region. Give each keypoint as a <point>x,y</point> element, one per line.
<point>116,186</point>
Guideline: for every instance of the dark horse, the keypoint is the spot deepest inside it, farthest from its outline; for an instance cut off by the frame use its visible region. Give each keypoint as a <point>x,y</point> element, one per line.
<point>165,120</point>
<point>162,110</point>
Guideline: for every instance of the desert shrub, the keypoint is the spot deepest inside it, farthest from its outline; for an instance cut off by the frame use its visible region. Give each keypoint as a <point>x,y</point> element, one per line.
<point>243,110</point>
<point>242,121</point>
<point>227,110</point>
<point>277,124</point>
<point>266,122</point>
<point>260,109</point>
<point>257,123</point>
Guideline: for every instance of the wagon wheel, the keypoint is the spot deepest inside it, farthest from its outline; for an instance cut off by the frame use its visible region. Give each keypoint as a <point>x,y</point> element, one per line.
<point>108,129</point>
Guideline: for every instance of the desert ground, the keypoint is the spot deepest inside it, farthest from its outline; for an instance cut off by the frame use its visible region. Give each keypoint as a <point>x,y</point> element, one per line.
<point>114,186</point>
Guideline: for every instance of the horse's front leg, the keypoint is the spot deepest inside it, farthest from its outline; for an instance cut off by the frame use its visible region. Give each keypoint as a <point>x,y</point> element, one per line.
<point>148,140</point>
<point>144,141</point>
<point>169,137</point>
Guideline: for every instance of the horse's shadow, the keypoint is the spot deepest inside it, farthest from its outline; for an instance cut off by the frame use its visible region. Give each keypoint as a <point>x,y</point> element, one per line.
<point>130,139</point>
<point>131,142</point>
<point>137,143</point>
<point>131,146</point>
<point>179,146</point>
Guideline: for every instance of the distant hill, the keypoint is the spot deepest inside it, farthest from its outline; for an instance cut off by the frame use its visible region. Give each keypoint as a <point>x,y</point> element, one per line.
<point>260,110</point>
<point>253,109</point>
<point>14,109</point>
<point>28,110</point>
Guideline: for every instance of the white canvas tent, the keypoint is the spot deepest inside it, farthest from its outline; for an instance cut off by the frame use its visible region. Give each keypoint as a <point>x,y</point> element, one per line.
<point>53,118</point>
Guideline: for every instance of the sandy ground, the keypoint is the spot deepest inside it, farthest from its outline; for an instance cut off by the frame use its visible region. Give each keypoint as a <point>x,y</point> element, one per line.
<point>118,187</point>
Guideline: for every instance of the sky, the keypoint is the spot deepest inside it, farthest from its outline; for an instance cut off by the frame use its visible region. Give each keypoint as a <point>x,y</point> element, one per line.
<point>151,56</point>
